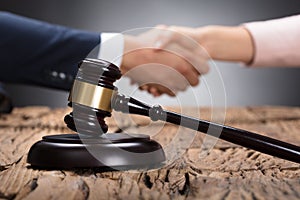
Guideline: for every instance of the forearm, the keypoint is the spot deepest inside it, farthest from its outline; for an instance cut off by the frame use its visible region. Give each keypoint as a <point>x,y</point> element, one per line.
<point>227,43</point>
<point>265,43</point>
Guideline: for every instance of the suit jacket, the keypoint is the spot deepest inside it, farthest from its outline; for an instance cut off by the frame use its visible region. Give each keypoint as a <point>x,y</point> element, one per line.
<point>39,53</point>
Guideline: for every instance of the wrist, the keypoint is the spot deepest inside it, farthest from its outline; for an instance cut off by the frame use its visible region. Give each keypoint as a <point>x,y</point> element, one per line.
<point>227,43</point>
<point>204,36</point>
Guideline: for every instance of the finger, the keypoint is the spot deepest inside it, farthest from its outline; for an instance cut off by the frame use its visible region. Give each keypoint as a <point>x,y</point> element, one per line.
<point>184,74</point>
<point>202,67</point>
<point>189,73</point>
<point>144,87</point>
<point>196,58</point>
<point>159,90</point>
<point>184,65</point>
<point>154,91</point>
<point>161,43</point>
<point>165,90</point>
<point>165,38</point>
<point>200,60</point>
<point>192,59</point>
<point>182,85</point>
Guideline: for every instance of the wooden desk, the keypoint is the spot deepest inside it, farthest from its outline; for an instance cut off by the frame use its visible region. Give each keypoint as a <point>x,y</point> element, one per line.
<point>226,172</point>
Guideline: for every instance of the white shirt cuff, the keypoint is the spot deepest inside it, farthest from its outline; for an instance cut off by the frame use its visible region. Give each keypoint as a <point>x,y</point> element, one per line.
<point>111,48</point>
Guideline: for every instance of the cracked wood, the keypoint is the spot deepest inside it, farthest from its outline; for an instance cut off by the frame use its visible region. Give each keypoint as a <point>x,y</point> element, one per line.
<point>192,170</point>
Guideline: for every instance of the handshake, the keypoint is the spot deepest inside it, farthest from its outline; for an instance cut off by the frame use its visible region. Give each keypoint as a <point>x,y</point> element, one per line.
<point>164,60</point>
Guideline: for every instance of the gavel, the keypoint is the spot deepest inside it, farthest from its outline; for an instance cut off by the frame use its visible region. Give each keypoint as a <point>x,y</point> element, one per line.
<point>94,96</point>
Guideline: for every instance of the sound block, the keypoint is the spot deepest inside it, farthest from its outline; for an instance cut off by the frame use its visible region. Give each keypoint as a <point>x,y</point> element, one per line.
<point>116,151</point>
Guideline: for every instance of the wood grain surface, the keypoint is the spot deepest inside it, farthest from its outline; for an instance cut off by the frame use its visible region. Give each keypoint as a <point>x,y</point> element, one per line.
<point>197,167</point>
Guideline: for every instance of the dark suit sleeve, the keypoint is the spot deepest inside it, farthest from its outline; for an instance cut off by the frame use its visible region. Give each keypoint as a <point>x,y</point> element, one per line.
<point>35,52</point>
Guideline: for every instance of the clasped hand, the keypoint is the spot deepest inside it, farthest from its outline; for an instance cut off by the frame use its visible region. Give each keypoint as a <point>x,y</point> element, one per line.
<point>164,60</point>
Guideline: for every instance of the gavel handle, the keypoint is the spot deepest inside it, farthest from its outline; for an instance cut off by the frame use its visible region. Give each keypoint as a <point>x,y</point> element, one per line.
<point>241,137</point>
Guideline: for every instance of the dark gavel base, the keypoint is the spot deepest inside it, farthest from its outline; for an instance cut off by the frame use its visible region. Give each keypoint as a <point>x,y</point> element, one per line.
<point>117,151</point>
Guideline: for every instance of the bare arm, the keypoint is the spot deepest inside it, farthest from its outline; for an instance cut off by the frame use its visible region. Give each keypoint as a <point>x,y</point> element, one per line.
<point>227,43</point>
<point>265,43</point>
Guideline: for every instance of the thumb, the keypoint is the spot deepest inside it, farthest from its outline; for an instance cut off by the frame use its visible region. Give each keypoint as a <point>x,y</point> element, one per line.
<point>161,42</point>
<point>162,39</point>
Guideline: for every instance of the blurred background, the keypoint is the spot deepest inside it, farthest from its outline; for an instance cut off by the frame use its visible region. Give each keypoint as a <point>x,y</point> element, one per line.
<point>243,86</point>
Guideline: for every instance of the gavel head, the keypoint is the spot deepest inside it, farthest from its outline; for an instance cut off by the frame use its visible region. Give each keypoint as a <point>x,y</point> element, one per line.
<point>91,96</point>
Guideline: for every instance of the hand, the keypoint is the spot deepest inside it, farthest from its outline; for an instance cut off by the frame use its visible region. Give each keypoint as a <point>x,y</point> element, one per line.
<point>166,70</point>
<point>189,40</point>
<point>221,42</point>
